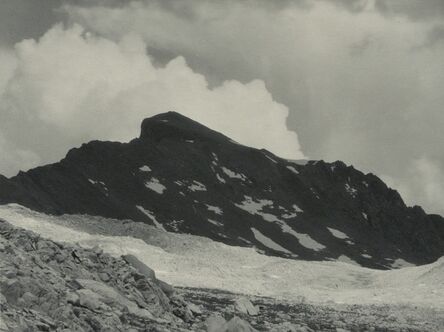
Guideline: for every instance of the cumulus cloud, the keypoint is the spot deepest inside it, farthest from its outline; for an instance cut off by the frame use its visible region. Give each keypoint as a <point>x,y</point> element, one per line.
<point>359,78</point>
<point>71,86</point>
<point>14,158</point>
<point>421,184</point>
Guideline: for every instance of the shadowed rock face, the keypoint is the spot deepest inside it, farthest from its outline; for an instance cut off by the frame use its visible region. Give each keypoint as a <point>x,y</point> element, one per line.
<point>184,177</point>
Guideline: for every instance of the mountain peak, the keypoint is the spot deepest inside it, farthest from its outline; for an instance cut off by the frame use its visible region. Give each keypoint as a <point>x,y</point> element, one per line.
<point>184,177</point>
<point>176,125</point>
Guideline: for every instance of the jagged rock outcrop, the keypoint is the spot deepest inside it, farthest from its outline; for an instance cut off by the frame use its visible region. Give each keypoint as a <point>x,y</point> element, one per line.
<point>184,177</point>
<point>49,286</point>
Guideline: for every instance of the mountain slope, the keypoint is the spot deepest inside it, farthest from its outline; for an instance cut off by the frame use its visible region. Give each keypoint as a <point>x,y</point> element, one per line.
<point>358,299</point>
<point>186,260</point>
<point>49,286</point>
<point>183,177</point>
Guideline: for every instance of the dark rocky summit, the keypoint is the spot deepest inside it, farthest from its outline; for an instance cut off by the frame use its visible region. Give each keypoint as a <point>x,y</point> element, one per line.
<point>184,177</point>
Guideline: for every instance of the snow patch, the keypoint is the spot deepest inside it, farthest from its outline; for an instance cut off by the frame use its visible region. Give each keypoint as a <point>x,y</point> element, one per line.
<point>399,263</point>
<point>151,215</point>
<point>221,179</point>
<point>214,209</point>
<point>214,222</point>
<point>145,168</point>
<point>155,185</point>
<point>269,158</point>
<point>297,208</point>
<point>234,175</point>
<point>255,207</point>
<point>352,191</point>
<point>294,170</point>
<point>314,193</point>
<point>338,234</point>
<point>215,160</point>
<point>289,215</point>
<point>304,240</point>
<point>346,259</point>
<point>100,183</point>
<point>244,240</point>
<point>294,213</point>
<point>197,186</point>
<point>223,235</point>
<point>267,242</point>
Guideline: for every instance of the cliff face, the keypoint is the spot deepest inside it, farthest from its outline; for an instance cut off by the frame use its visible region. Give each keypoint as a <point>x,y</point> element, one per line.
<point>184,177</point>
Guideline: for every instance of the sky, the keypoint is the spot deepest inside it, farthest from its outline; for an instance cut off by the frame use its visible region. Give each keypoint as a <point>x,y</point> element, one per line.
<point>353,80</point>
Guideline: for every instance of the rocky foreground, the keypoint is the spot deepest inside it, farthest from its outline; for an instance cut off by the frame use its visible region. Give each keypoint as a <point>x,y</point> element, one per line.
<point>50,286</point>
<point>274,315</point>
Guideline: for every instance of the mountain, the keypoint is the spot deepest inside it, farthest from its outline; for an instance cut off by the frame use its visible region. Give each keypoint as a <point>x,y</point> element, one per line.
<point>184,177</point>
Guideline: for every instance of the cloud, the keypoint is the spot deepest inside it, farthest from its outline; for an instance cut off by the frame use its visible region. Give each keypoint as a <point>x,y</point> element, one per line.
<point>429,179</point>
<point>72,86</point>
<point>359,84</point>
<point>8,63</point>
<point>434,36</point>
<point>413,9</point>
<point>14,158</point>
<point>21,19</point>
<point>425,185</point>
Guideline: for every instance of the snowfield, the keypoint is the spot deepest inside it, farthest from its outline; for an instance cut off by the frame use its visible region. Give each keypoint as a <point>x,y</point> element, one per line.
<point>192,261</point>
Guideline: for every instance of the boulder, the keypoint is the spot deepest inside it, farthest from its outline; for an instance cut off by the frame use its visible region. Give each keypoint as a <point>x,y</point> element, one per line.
<point>165,287</point>
<point>237,324</point>
<point>216,323</point>
<point>106,293</point>
<point>12,290</point>
<point>139,266</point>
<point>244,306</point>
<point>89,299</point>
<point>195,309</point>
